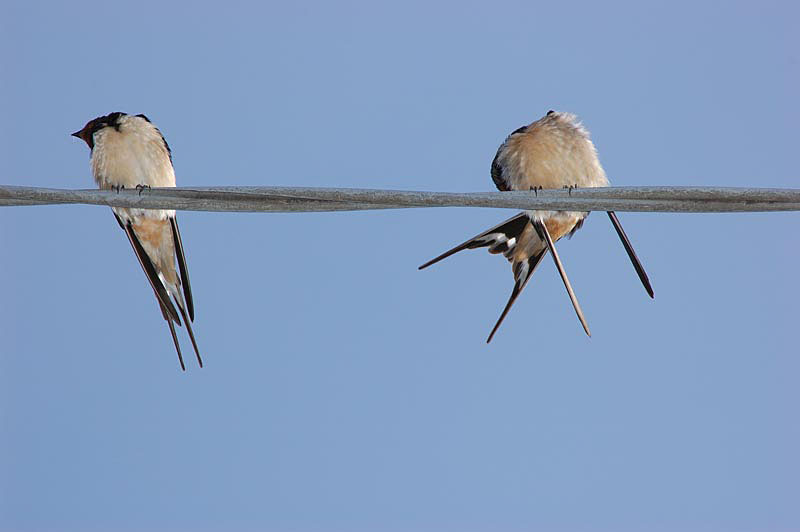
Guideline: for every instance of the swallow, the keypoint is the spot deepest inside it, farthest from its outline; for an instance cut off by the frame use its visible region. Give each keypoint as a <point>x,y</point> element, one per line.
<point>551,153</point>
<point>128,151</point>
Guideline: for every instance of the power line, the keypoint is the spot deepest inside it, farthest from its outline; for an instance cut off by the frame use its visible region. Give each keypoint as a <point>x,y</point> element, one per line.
<point>300,199</point>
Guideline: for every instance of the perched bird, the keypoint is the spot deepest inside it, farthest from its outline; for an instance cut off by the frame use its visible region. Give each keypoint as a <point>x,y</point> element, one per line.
<point>552,152</point>
<point>130,152</point>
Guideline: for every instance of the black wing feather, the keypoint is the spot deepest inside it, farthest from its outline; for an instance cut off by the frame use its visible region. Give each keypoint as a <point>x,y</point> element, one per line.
<point>511,228</point>
<point>187,287</point>
<point>150,272</point>
<point>497,168</point>
<point>497,173</point>
<point>631,254</point>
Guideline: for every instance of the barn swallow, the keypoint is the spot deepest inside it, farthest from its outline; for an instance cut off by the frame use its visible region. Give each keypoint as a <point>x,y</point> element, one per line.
<point>551,153</point>
<point>130,152</point>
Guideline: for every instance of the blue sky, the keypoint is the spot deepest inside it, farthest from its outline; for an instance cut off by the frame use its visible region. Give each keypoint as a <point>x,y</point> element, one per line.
<point>343,389</point>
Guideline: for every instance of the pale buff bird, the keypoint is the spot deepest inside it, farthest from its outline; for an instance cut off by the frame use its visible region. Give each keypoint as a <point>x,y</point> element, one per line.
<point>552,152</point>
<point>130,152</point>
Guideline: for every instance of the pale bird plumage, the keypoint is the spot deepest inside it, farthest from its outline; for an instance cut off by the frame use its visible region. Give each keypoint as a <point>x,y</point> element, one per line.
<point>552,152</point>
<point>128,151</point>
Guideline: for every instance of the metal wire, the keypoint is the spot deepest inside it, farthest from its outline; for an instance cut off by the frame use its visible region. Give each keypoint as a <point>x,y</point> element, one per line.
<point>299,199</point>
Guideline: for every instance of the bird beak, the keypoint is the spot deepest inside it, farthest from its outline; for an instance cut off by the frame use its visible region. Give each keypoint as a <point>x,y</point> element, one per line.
<point>77,133</point>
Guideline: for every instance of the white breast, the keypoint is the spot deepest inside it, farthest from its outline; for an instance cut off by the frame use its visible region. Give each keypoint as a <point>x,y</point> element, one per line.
<point>133,155</point>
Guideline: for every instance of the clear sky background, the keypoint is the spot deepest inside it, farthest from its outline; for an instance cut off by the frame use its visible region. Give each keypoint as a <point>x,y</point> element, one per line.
<point>343,389</point>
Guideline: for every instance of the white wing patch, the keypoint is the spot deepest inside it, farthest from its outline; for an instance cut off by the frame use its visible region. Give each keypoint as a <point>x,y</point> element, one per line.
<point>498,243</point>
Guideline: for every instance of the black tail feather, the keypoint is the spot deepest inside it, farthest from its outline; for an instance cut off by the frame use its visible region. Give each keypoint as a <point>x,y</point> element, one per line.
<point>177,345</point>
<point>544,234</point>
<point>188,323</point>
<point>519,285</point>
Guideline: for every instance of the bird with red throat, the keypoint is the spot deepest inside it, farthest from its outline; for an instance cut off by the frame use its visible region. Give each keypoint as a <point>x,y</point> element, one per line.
<point>128,151</point>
